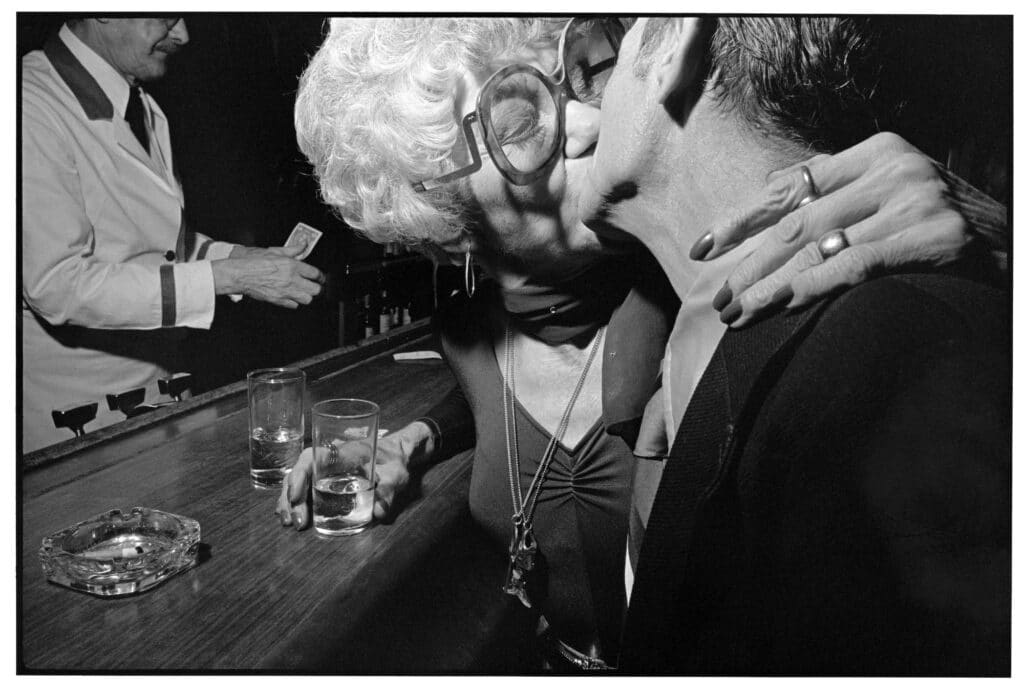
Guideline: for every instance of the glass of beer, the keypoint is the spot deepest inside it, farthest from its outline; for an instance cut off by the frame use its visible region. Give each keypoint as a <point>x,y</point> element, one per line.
<point>344,449</point>
<point>276,401</point>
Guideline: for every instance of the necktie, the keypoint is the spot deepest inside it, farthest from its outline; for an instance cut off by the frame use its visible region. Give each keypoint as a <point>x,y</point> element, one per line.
<point>135,114</point>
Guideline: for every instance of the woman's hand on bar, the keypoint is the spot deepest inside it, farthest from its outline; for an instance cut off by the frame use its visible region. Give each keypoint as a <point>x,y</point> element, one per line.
<point>294,504</point>
<point>392,474</point>
<point>413,442</point>
<point>413,445</point>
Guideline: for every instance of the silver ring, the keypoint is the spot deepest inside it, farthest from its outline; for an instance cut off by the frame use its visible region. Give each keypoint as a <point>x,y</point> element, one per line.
<point>831,244</point>
<point>812,189</point>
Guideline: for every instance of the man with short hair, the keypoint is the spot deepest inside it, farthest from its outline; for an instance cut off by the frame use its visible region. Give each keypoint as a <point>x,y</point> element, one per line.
<point>108,267</point>
<point>836,500</point>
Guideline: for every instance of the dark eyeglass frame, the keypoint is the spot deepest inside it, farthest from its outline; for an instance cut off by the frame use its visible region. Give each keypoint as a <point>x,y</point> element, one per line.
<point>561,92</point>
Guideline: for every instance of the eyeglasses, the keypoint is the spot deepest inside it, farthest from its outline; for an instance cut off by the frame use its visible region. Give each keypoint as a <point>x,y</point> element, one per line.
<point>520,111</point>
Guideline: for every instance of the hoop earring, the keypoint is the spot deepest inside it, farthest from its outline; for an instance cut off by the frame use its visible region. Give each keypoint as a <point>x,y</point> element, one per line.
<point>470,276</point>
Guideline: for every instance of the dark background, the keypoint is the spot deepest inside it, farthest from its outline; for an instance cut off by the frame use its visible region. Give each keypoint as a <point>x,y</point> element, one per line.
<point>229,98</point>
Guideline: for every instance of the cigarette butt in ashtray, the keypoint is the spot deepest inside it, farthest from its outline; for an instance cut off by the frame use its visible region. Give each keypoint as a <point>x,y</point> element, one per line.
<point>114,552</point>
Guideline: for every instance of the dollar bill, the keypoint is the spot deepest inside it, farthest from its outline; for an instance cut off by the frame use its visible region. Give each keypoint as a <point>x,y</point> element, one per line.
<point>303,234</point>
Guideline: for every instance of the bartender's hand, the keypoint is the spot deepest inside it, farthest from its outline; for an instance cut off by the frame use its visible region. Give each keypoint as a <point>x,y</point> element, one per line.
<point>269,274</point>
<point>394,454</point>
<point>243,252</point>
<point>891,200</point>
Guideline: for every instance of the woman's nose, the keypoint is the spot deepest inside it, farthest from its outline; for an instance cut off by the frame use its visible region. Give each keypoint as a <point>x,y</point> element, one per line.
<point>582,123</point>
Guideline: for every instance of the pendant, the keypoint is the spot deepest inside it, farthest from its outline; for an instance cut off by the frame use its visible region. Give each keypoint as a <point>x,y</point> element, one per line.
<point>521,559</point>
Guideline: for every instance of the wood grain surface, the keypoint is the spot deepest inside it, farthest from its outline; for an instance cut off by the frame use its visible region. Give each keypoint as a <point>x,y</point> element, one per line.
<point>420,594</point>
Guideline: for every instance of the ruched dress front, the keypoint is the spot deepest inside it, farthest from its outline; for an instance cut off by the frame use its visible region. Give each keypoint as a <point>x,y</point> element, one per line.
<point>580,520</point>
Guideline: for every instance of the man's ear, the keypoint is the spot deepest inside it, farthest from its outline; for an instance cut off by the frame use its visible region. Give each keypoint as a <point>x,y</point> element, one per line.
<point>678,65</point>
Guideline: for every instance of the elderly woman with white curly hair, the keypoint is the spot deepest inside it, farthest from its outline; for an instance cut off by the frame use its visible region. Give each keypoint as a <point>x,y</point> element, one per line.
<point>468,139</point>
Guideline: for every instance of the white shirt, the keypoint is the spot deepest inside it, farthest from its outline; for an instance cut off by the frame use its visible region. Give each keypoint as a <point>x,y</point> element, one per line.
<point>101,220</point>
<point>691,344</point>
<point>696,334</point>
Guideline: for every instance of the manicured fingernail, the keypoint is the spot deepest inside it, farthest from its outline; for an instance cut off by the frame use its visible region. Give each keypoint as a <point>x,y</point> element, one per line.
<point>723,298</point>
<point>731,313</point>
<point>782,296</point>
<point>701,248</point>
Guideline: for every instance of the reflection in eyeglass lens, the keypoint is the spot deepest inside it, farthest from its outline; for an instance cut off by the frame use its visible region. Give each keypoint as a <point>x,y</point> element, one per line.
<point>590,58</point>
<point>524,121</point>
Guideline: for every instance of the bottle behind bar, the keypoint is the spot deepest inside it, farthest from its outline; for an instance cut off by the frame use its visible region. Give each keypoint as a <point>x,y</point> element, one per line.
<point>367,317</point>
<point>384,315</point>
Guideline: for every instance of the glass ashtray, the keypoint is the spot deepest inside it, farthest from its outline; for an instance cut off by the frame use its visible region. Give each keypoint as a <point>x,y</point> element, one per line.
<point>120,553</point>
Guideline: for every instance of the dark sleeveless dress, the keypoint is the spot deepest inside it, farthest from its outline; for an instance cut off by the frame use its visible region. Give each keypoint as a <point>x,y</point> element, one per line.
<point>581,518</point>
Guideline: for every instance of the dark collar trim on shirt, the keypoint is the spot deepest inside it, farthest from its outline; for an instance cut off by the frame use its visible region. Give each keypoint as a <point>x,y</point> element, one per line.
<point>82,84</point>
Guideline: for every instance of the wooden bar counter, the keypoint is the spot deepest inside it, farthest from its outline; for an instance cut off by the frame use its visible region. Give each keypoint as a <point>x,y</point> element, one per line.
<point>420,594</point>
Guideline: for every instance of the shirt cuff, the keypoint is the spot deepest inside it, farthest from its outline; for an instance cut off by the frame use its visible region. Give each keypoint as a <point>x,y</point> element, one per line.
<point>219,250</point>
<point>222,250</point>
<point>194,294</point>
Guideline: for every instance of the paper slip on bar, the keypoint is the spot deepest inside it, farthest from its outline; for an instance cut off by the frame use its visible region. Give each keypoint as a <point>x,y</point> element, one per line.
<point>417,355</point>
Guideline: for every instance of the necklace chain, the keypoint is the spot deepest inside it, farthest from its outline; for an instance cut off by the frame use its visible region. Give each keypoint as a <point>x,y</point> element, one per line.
<point>523,510</point>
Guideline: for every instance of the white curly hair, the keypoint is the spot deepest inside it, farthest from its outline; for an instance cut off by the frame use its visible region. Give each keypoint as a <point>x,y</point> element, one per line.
<point>375,112</point>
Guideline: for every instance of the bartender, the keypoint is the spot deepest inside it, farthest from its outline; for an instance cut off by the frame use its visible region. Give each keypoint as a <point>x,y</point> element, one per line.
<point>108,268</point>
